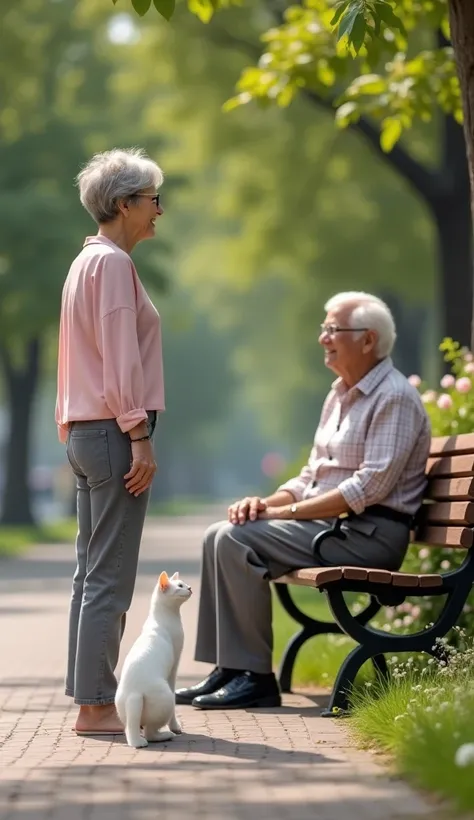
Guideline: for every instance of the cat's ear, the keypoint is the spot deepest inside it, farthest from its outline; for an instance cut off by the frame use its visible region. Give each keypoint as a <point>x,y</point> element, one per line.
<point>164,581</point>
<point>175,577</point>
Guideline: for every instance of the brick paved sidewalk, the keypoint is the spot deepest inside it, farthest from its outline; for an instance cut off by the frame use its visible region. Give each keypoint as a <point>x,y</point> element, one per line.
<point>275,764</point>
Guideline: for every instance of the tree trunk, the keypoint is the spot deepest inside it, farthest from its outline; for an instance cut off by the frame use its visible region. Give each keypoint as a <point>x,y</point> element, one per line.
<point>461,18</point>
<point>21,384</point>
<point>452,215</point>
<point>454,234</point>
<point>410,321</point>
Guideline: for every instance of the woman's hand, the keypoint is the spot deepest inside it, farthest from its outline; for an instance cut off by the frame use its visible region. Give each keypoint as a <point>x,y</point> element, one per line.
<point>143,468</point>
<point>247,509</point>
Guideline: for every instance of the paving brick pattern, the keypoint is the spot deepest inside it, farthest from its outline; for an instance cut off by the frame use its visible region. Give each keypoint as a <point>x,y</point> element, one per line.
<point>277,764</point>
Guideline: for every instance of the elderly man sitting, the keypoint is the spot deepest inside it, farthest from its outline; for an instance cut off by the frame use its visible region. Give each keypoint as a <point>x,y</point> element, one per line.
<point>368,460</point>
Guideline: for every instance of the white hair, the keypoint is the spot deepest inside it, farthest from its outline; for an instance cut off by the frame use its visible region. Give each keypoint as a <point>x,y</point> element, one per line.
<point>368,311</point>
<point>113,176</point>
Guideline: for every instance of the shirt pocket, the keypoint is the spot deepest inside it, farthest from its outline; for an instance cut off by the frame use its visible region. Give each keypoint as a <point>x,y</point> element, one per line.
<point>89,455</point>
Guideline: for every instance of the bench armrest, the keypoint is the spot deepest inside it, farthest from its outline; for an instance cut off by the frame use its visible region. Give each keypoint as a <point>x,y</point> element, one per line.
<point>319,539</point>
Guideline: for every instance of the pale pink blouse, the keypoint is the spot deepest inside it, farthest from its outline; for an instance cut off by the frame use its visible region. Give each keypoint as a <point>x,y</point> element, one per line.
<point>110,362</point>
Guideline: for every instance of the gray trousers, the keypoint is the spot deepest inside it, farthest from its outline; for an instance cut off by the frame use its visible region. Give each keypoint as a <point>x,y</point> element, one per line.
<point>235,614</point>
<point>110,525</point>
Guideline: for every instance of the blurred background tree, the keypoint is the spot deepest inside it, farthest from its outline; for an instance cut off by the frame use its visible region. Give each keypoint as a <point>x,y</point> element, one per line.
<point>404,73</point>
<point>268,211</point>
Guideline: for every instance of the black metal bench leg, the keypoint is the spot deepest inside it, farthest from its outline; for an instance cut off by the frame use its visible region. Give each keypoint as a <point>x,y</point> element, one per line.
<point>381,667</point>
<point>287,663</point>
<point>345,681</point>
<point>310,628</point>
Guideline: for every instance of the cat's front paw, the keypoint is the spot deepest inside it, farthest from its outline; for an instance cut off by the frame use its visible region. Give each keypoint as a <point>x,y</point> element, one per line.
<point>137,742</point>
<point>175,727</point>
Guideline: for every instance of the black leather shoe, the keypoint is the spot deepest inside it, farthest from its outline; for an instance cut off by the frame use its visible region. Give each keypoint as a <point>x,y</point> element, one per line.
<point>218,678</point>
<point>243,692</point>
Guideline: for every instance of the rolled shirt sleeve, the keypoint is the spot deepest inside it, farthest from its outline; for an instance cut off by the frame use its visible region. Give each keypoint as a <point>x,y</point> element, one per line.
<point>391,438</point>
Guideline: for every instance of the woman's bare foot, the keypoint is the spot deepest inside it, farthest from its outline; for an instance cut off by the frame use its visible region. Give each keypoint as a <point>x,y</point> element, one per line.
<point>98,720</point>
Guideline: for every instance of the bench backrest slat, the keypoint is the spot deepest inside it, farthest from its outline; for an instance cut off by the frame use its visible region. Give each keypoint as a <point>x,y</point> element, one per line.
<point>446,518</point>
<point>457,513</point>
<point>450,489</point>
<point>451,466</point>
<point>452,445</point>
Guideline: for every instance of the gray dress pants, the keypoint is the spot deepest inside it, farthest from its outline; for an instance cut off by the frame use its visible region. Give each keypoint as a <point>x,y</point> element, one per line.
<point>235,615</point>
<point>110,525</point>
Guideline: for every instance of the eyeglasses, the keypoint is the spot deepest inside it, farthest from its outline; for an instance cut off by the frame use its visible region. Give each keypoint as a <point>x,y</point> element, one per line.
<point>153,198</point>
<point>331,330</point>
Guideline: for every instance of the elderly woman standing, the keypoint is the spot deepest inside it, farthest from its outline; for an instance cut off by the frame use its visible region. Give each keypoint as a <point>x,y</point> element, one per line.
<point>110,390</point>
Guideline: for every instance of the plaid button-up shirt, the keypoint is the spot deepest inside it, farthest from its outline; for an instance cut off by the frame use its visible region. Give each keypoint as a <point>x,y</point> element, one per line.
<point>372,444</point>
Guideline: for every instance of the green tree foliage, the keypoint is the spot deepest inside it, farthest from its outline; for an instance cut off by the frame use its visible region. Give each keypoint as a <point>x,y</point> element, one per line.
<point>308,50</point>
<point>380,71</point>
<point>280,211</point>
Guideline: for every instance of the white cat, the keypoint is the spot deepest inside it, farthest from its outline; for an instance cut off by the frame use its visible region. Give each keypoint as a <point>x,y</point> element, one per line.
<point>145,695</point>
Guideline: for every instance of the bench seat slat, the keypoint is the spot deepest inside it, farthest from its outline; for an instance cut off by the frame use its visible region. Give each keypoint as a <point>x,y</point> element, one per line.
<point>319,577</point>
<point>430,581</point>
<point>311,577</point>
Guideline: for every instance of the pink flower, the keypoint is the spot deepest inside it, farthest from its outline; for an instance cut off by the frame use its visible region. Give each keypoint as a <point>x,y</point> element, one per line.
<point>463,385</point>
<point>416,612</point>
<point>445,402</point>
<point>468,357</point>
<point>445,564</point>
<point>414,380</point>
<point>424,553</point>
<point>447,381</point>
<point>428,396</point>
<point>469,367</point>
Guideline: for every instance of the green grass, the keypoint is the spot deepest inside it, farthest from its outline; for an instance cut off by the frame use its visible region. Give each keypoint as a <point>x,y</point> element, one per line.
<point>421,720</point>
<point>15,539</point>
<point>320,658</point>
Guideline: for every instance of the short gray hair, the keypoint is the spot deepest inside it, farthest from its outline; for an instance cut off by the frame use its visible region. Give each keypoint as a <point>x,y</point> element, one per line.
<point>371,312</point>
<point>113,176</point>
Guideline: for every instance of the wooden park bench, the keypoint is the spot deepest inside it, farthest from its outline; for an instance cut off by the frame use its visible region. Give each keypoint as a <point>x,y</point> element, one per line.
<point>445,519</point>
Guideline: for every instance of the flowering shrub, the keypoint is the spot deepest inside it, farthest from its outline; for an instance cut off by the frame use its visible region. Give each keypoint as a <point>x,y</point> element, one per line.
<point>451,408</point>
<point>451,412</point>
